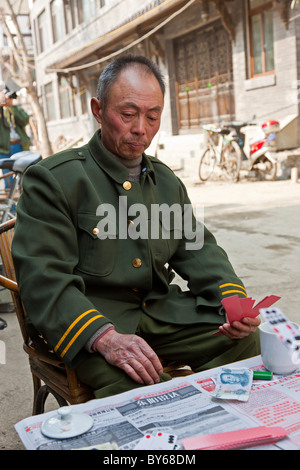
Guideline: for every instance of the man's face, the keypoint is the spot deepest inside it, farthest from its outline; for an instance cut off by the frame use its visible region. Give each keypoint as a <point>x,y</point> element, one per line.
<point>132,114</point>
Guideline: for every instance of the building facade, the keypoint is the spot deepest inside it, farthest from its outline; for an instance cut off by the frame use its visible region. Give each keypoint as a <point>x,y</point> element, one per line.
<point>6,52</point>
<point>223,60</point>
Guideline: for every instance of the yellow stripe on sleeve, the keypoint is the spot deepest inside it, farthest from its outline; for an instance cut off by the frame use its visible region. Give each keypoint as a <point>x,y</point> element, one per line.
<point>78,333</point>
<point>72,326</point>
<point>233,285</point>
<point>234,291</point>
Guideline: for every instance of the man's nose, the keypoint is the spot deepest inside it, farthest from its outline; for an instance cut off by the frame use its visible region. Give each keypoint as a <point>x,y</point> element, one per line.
<point>139,125</point>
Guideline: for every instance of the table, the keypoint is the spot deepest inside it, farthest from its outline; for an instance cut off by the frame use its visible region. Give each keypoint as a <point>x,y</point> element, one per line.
<point>183,406</point>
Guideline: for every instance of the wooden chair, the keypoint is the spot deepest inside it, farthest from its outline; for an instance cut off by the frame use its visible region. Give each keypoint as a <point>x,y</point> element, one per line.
<point>50,375</point>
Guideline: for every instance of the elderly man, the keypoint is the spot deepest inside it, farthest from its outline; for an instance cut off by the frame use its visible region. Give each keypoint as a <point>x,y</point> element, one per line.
<point>101,295</point>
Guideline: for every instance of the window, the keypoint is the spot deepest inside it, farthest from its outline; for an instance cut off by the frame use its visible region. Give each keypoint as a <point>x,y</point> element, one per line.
<point>69,8</point>
<point>65,98</point>
<point>86,9</point>
<point>58,19</point>
<point>42,32</point>
<point>50,102</point>
<point>82,91</point>
<point>261,37</point>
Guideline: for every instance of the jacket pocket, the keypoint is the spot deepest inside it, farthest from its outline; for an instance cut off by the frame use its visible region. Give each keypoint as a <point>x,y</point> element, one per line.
<point>97,256</point>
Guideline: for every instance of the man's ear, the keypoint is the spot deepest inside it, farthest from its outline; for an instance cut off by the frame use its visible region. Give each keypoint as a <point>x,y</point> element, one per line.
<point>96,109</point>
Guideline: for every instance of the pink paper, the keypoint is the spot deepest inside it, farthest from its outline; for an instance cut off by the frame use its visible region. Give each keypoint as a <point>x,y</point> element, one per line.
<point>235,439</point>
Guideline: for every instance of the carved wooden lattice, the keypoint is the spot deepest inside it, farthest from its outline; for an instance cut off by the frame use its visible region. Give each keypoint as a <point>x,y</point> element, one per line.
<point>204,77</point>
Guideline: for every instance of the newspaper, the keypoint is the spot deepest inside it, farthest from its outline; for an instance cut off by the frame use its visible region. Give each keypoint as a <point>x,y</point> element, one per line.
<point>184,407</point>
<point>271,403</point>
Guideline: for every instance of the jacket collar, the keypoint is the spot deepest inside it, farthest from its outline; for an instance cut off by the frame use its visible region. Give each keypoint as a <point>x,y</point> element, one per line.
<point>112,166</point>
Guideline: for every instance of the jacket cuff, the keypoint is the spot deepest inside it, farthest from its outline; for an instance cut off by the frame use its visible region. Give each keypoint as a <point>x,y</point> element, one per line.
<point>89,344</point>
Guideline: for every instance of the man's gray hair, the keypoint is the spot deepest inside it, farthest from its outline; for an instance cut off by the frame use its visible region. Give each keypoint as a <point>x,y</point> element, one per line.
<point>112,71</point>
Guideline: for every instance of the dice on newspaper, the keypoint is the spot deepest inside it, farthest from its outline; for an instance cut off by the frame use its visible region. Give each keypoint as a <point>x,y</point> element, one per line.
<point>157,441</point>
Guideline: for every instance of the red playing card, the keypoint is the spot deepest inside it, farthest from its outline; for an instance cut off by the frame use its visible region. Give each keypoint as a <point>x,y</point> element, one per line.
<point>247,305</point>
<point>233,308</point>
<point>264,303</point>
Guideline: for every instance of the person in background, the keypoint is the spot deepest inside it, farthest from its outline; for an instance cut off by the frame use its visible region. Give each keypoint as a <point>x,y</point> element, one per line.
<point>13,120</point>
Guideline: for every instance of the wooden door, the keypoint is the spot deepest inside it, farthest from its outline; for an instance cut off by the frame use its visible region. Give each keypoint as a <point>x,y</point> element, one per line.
<point>204,77</point>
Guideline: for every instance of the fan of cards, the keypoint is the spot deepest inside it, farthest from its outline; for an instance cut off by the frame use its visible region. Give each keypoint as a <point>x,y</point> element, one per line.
<point>237,308</point>
<point>285,331</point>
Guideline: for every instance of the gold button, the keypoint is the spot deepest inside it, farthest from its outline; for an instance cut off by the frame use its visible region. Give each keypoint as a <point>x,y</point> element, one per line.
<point>95,231</point>
<point>127,185</point>
<point>137,263</point>
<point>135,289</point>
<point>130,222</point>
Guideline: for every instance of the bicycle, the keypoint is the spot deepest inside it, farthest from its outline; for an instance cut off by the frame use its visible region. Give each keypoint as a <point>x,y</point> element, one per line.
<point>222,152</point>
<point>17,164</point>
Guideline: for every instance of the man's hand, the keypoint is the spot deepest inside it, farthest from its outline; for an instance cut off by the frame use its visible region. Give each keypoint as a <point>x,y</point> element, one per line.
<point>240,329</point>
<point>132,354</point>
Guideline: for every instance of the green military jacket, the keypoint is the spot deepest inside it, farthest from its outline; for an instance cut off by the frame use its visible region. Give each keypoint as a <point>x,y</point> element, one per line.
<point>19,118</point>
<point>72,282</point>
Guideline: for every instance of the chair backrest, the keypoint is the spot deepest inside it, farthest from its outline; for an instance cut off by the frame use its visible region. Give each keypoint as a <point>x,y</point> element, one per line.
<point>9,280</point>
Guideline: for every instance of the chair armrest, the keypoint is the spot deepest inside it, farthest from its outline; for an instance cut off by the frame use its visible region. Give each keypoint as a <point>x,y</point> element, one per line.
<point>8,284</point>
<point>31,351</point>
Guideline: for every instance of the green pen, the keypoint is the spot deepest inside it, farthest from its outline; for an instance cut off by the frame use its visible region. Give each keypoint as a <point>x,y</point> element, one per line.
<point>262,375</point>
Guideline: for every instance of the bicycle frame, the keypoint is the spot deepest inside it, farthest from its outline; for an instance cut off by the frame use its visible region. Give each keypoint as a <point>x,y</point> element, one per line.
<point>224,154</point>
<point>18,164</point>
<point>222,135</point>
<point>7,207</point>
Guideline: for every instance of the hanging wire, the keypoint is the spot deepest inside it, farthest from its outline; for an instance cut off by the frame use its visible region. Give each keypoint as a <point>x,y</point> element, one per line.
<point>125,48</point>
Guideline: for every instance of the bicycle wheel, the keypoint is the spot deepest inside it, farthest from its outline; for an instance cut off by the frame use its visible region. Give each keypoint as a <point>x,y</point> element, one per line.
<point>207,164</point>
<point>231,160</point>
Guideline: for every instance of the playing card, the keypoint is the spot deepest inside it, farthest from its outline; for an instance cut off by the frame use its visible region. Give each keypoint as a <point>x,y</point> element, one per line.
<point>247,305</point>
<point>145,442</point>
<point>164,441</point>
<point>265,303</point>
<point>233,308</point>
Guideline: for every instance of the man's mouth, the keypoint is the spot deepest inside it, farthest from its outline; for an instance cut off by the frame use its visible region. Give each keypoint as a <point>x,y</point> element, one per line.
<point>136,145</point>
